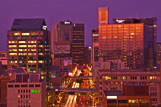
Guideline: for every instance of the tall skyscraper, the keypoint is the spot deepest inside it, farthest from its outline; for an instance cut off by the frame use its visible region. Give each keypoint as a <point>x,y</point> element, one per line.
<point>95,46</point>
<point>61,42</point>
<point>133,40</point>
<point>103,14</point>
<point>68,43</point>
<point>28,46</point>
<point>78,44</point>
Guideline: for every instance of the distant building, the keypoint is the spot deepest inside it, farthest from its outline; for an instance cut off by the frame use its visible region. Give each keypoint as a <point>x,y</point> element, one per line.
<point>8,76</point>
<point>95,46</point>
<point>137,96</point>
<point>133,40</point>
<point>158,53</point>
<point>87,55</point>
<point>26,90</point>
<point>68,43</point>
<point>113,80</point>
<point>28,46</point>
<point>3,59</point>
<point>78,45</point>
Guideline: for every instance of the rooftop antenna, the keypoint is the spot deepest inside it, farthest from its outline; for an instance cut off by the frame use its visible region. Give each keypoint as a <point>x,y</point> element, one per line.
<point>63,18</point>
<point>73,18</point>
<point>136,14</point>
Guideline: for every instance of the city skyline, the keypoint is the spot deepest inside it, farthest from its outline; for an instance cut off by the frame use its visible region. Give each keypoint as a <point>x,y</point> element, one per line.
<point>71,10</point>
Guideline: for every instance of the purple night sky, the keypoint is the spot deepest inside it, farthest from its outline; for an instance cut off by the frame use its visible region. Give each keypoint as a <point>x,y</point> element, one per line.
<point>79,11</point>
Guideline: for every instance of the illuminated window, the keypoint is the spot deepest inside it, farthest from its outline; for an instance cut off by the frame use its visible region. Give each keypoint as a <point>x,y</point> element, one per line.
<point>34,33</point>
<point>41,61</point>
<point>12,46</point>
<point>123,77</point>
<point>42,77</point>
<point>107,77</point>
<point>31,46</point>
<point>25,34</point>
<point>41,46</point>
<point>14,50</point>
<point>153,77</point>
<point>41,54</point>
<point>22,53</point>
<point>22,46</point>
<point>22,49</point>
<point>31,53</point>
<point>31,61</point>
<point>21,41</point>
<point>12,41</point>
<point>13,61</point>
<point>31,41</point>
<point>33,49</point>
<point>16,34</point>
<point>12,53</point>
<point>18,96</point>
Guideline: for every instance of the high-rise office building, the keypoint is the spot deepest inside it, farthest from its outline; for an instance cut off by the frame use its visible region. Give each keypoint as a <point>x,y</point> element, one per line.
<point>95,46</point>
<point>78,44</point>
<point>133,40</point>
<point>158,53</point>
<point>61,42</point>
<point>28,46</point>
<point>3,60</point>
<point>68,43</point>
<point>103,14</point>
<point>27,90</point>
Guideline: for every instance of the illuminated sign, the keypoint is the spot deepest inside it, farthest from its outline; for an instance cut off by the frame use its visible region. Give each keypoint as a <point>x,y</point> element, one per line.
<point>66,22</point>
<point>35,91</point>
<point>120,21</point>
<point>70,74</point>
<point>44,27</point>
<point>95,34</point>
<point>111,97</point>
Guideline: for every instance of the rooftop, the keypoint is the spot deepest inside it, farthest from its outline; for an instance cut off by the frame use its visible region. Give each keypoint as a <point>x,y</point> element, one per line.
<point>112,93</point>
<point>33,24</point>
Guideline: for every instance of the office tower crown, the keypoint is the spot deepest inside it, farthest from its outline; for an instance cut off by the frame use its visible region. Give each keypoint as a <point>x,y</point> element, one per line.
<point>29,24</point>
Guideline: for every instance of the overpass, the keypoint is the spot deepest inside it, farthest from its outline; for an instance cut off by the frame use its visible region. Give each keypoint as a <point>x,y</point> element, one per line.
<point>77,90</point>
<point>80,77</point>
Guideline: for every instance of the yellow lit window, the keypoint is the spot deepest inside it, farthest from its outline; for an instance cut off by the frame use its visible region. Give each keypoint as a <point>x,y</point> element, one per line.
<point>14,50</point>
<point>40,45</point>
<point>41,54</point>
<point>153,77</point>
<point>107,77</point>
<point>22,49</point>
<point>18,96</point>
<point>25,34</point>
<point>33,49</point>
<point>21,41</point>
<point>22,45</point>
<point>12,46</point>
<point>16,34</point>
<point>41,61</point>
<point>31,61</point>
<point>33,41</point>
<point>13,61</point>
<point>31,46</point>
<point>12,53</point>
<point>31,53</point>
<point>34,33</point>
<point>123,77</point>
<point>22,53</point>
<point>42,77</point>
<point>20,61</point>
